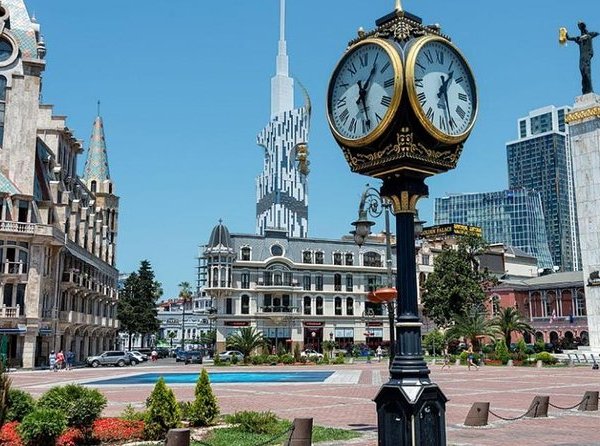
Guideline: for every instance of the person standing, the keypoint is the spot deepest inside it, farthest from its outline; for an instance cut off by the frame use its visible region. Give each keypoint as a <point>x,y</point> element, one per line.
<point>379,352</point>
<point>70,358</point>
<point>446,360</point>
<point>52,361</point>
<point>60,360</point>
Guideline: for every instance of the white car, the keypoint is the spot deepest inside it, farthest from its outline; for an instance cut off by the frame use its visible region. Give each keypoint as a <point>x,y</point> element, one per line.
<point>227,355</point>
<point>139,357</point>
<point>309,353</point>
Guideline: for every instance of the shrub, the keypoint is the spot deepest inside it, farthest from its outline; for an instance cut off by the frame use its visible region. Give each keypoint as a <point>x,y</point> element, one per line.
<point>546,358</point>
<point>5,382</point>
<point>131,414</point>
<point>272,359</point>
<point>303,359</point>
<point>163,412</point>
<point>81,406</point>
<point>204,410</point>
<point>217,360</point>
<point>287,359</point>
<point>502,351</point>
<point>70,437</point>
<point>42,427</point>
<point>19,405</point>
<point>297,354</point>
<point>185,408</point>
<point>339,359</point>
<point>254,422</point>
<point>109,430</point>
<point>257,359</point>
<point>234,360</point>
<point>9,435</point>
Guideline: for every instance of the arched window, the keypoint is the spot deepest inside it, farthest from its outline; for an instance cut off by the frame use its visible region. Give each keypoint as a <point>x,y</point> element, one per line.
<point>319,305</point>
<point>307,305</point>
<point>581,311</point>
<point>245,304</point>
<point>349,282</point>
<point>338,306</point>
<point>246,253</point>
<point>337,258</point>
<point>2,107</point>
<point>349,259</point>
<point>93,186</point>
<point>350,306</point>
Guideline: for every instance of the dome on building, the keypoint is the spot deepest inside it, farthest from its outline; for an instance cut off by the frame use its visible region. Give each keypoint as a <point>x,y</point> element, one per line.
<point>220,238</point>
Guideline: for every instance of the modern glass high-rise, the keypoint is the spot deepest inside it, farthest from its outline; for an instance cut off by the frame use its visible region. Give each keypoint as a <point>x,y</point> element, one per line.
<point>540,159</point>
<point>512,217</point>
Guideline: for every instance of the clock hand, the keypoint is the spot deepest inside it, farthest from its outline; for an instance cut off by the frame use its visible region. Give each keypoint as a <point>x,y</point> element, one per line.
<point>371,74</point>
<point>362,93</point>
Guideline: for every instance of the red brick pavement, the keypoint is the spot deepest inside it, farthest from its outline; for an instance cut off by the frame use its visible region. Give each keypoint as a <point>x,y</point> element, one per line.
<point>509,391</point>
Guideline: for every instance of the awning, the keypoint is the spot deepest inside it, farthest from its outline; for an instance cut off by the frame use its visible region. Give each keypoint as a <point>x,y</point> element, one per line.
<point>10,331</point>
<point>45,332</point>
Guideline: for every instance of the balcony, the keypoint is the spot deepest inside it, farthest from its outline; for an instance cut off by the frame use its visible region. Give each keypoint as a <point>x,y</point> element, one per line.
<point>277,309</point>
<point>14,268</point>
<point>9,312</point>
<point>72,317</point>
<point>281,285</point>
<point>19,227</point>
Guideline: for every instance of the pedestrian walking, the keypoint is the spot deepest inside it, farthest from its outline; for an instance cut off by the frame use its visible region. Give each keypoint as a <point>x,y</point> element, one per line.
<point>446,360</point>
<point>60,360</point>
<point>470,357</point>
<point>154,355</point>
<point>52,361</point>
<point>379,352</point>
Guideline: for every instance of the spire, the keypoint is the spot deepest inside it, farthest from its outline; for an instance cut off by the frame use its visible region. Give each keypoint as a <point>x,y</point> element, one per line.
<point>282,86</point>
<point>96,165</point>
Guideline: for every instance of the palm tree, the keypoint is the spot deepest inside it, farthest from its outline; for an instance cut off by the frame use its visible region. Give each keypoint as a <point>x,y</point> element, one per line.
<point>245,340</point>
<point>473,325</point>
<point>171,335</point>
<point>510,320</point>
<point>185,294</point>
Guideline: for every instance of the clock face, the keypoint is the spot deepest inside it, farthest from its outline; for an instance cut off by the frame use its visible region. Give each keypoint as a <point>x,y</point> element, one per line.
<point>364,92</point>
<point>441,89</point>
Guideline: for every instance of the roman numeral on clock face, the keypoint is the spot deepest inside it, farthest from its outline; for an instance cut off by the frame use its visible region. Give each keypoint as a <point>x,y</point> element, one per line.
<point>462,97</point>
<point>389,83</point>
<point>385,67</point>
<point>422,97</point>
<point>364,59</point>
<point>344,116</point>
<point>386,101</point>
<point>460,112</point>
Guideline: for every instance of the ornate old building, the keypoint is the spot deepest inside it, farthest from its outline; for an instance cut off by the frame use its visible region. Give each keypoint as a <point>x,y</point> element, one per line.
<point>58,231</point>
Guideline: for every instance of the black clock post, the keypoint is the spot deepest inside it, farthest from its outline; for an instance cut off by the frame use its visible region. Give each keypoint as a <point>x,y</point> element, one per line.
<point>417,133</point>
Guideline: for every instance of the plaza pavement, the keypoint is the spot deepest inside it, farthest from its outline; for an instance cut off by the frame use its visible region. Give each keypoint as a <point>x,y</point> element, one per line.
<point>345,400</point>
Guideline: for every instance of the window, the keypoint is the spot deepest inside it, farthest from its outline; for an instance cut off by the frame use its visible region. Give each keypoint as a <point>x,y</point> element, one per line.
<point>372,259</point>
<point>350,306</point>
<point>307,305</point>
<point>373,309</point>
<point>581,311</point>
<point>306,282</point>
<point>93,186</point>
<point>306,257</point>
<point>245,281</point>
<point>319,257</point>
<point>337,258</point>
<point>338,306</point>
<point>337,282</point>
<point>245,304</point>
<point>2,107</point>
<point>268,303</point>
<point>425,259</point>
<point>229,306</point>
<point>319,305</point>
<point>276,250</point>
<point>319,282</point>
<point>373,283</point>
<point>349,282</point>
<point>267,281</point>
<point>245,253</point>
<point>349,259</point>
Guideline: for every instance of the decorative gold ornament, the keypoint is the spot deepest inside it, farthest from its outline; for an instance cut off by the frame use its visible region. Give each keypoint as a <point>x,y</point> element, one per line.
<point>562,36</point>
<point>580,115</point>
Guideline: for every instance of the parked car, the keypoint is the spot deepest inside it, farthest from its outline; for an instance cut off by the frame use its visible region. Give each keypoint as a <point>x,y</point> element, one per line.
<point>137,357</point>
<point>145,351</point>
<point>116,358</point>
<point>180,355</point>
<point>229,354</point>
<point>163,352</point>
<point>193,357</point>
<point>309,353</point>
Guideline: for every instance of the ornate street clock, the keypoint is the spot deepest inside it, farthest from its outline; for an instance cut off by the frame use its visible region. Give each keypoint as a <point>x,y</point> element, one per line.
<point>402,98</point>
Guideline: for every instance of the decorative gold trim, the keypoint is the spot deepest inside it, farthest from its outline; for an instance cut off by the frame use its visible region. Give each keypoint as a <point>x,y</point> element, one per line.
<point>390,114</point>
<point>580,115</point>
<point>411,59</point>
<point>405,203</point>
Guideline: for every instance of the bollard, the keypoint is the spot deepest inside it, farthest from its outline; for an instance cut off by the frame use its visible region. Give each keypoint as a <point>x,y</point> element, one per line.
<point>539,407</point>
<point>590,402</point>
<point>539,364</point>
<point>478,415</point>
<point>457,362</point>
<point>178,437</point>
<point>509,363</point>
<point>302,432</point>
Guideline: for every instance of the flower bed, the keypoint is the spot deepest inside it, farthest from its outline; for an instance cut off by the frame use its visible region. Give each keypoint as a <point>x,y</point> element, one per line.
<point>105,430</point>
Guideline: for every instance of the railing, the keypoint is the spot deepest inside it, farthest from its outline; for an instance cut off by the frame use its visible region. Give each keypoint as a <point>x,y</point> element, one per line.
<point>14,267</point>
<point>278,309</point>
<point>9,312</point>
<point>16,226</point>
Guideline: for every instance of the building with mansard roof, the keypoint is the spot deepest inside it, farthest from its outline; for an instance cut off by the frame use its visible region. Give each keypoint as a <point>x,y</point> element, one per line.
<point>58,279</point>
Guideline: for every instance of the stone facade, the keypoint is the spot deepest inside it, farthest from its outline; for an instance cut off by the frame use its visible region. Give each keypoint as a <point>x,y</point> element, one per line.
<point>57,231</point>
<point>584,121</point>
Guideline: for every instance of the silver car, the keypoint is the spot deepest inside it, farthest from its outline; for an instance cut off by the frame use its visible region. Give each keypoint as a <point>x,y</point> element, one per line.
<point>116,358</point>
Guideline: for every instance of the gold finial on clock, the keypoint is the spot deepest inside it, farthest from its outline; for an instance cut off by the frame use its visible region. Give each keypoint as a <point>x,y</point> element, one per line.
<point>398,5</point>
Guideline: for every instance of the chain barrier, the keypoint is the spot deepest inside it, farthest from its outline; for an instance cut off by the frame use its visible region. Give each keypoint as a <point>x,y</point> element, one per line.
<point>516,418</point>
<point>568,408</point>
<point>264,443</point>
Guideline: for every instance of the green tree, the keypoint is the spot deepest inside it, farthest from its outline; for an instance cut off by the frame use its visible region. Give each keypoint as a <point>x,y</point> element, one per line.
<point>136,309</point>
<point>510,320</point>
<point>472,325</point>
<point>245,340</point>
<point>162,412</point>
<point>204,410</point>
<point>456,283</point>
<point>434,341</point>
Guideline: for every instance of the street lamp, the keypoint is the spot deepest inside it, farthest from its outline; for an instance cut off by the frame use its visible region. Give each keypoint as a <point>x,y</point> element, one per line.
<point>373,204</point>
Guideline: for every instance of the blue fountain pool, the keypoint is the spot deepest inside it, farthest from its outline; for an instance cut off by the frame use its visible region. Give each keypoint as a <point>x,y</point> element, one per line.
<point>218,378</point>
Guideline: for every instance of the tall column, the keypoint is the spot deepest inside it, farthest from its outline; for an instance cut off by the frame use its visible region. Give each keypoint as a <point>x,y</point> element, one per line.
<point>29,348</point>
<point>584,128</point>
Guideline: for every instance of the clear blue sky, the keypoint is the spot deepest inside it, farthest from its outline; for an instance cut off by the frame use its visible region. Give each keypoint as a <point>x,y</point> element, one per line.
<point>185,88</point>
